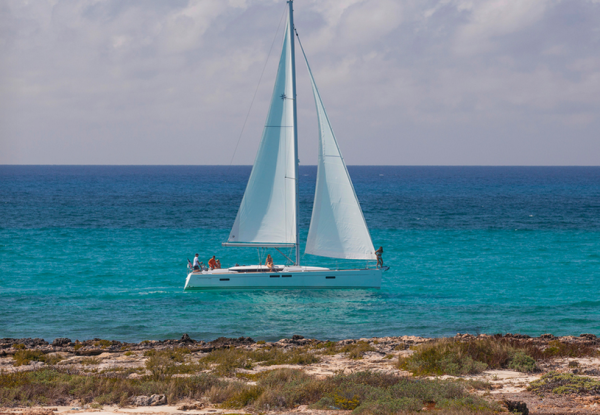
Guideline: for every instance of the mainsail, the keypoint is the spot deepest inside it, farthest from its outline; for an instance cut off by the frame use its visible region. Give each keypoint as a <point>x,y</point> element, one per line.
<point>337,227</point>
<point>267,214</point>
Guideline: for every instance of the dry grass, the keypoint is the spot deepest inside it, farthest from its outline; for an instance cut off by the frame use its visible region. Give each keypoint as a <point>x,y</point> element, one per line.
<point>455,357</point>
<point>565,383</point>
<point>365,392</point>
<point>353,350</point>
<point>225,362</point>
<point>164,363</point>
<point>53,387</point>
<point>557,348</point>
<point>25,357</point>
<point>89,361</point>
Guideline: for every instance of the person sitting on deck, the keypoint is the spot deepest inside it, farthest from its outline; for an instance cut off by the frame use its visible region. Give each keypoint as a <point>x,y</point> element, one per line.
<point>196,265</point>
<point>379,254</point>
<point>218,264</point>
<point>269,262</point>
<point>212,263</point>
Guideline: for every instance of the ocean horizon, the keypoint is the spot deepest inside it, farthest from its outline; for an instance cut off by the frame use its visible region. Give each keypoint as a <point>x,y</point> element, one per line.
<point>101,251</point>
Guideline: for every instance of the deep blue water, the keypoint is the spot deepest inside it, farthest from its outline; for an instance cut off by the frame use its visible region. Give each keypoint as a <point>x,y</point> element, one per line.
<point>101,251</point>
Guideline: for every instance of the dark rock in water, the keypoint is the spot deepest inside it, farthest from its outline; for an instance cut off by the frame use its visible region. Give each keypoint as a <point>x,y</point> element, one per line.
<point>518,336</point>
<point>516,407</point>
<point>226,342</point>
<point>186,339</point>
<point>297,337</point>
<point>61,341</point>
<point>588,336</point>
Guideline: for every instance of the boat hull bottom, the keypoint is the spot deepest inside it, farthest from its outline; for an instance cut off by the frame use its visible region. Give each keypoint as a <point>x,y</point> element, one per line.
<point>321,279</point>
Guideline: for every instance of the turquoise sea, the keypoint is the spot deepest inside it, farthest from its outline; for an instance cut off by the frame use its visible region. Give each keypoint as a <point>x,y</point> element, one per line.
<point>101,251</point>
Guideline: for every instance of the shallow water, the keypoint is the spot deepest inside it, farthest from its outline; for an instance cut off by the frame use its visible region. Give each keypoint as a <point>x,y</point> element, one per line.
<point>101,252</point>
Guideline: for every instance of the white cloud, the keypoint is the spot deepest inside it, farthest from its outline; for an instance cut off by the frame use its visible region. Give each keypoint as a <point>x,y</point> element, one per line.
<point>429,81</point>
<point>490,19</point>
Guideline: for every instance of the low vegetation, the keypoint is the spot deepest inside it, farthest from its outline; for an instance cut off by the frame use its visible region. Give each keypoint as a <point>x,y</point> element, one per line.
<point>54,387</point>
<point>467,357</point>
<point>455,357</point>
<point>565,383</point>
<point>353,350</point>
<point>364,392</point>
<point>25,357</point>
<point>222,362</point>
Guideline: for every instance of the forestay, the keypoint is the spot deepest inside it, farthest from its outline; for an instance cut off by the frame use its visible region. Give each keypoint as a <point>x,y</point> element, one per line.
<point>337,227</point>
<point>267,214</point>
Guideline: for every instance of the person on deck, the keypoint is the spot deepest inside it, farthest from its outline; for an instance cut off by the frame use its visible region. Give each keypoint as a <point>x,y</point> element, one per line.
<point>269,262</point>
<point>196,265</point>
<point>379,254</point>
<point>218,264</point>
<point>212,263</point>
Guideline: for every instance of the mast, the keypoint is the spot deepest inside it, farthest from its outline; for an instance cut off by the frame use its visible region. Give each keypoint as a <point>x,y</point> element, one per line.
<point>292,45</point>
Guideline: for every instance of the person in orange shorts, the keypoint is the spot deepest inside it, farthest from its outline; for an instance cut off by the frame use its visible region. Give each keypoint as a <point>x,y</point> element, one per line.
<point>212,263</point>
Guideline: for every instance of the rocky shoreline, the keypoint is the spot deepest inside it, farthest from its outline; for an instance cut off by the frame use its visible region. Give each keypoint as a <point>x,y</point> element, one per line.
<point>110,358</point>
<point>98,346</point>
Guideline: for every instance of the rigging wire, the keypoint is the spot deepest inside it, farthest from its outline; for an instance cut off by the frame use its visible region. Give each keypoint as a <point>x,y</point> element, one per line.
<point>257,86</point>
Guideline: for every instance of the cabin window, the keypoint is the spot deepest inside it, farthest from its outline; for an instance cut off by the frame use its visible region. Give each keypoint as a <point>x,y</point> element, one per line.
<point>330,278</point>
<point>224,279</point>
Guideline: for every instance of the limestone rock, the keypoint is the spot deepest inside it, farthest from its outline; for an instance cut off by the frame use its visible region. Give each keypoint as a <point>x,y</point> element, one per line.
<point>153,400</point>
<point>61,342</point>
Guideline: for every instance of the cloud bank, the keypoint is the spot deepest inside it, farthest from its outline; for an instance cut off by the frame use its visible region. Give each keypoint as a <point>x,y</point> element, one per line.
<point>443,82</point>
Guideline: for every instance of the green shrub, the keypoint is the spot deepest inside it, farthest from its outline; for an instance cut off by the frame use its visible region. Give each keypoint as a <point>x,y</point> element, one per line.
<point>456,357</point>
<point>565,383</point>
<point>442,358</point>
<point>24,357</point>
<point>103,343</point>
<point>52,359</point>
<point>357,350</point>
<point>168,362</point>
<point>243,398</point>
<point>557,348</point>
<point>226,361</point>
<point>522,362</point>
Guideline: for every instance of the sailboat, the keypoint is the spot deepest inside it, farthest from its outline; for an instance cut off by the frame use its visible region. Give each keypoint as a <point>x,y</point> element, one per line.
<point>268,214</point>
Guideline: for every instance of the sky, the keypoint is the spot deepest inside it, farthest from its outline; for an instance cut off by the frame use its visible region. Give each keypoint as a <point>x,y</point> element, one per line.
<point>405,82</point>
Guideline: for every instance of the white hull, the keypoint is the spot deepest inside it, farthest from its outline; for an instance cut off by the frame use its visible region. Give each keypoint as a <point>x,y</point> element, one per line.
<point>284,278</point>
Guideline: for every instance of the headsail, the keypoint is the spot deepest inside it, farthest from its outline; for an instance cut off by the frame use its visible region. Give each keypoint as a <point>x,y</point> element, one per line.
<point>337,227</point>
<point>267,214</point>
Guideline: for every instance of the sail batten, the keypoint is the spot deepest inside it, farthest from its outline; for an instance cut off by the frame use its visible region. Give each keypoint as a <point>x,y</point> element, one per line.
<point>337,227</point>
<point>267,213</point>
